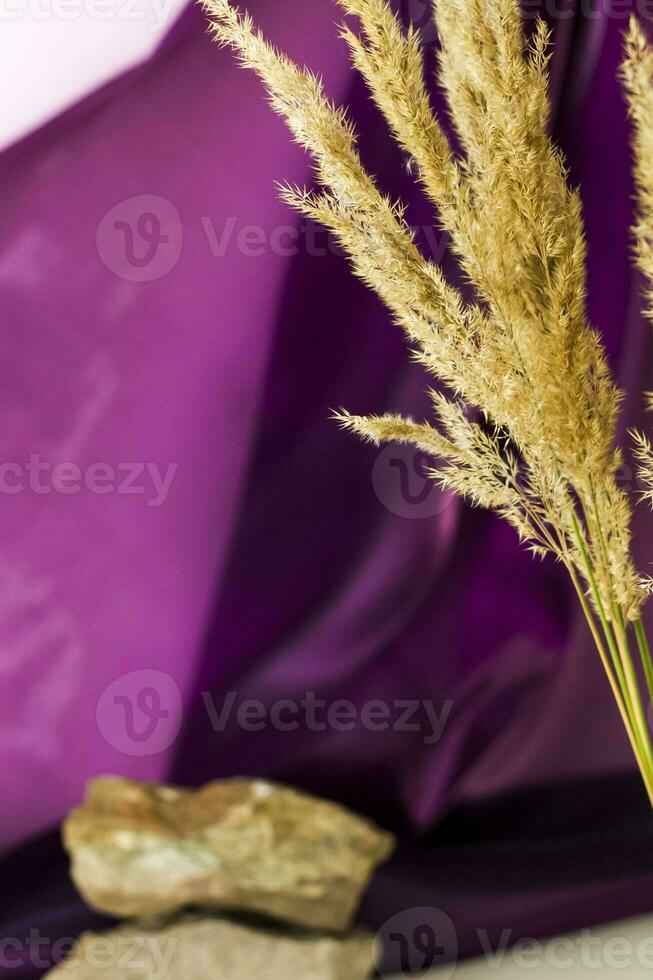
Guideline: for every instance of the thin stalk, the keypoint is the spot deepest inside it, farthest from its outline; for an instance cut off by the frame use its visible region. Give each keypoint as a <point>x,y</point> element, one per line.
<point>645,653</point>
<point>636,699</point>
<point>618,683</point>
<point>621,634</point>
<point>623,665</point>
<point>618,696</point>
<point>607,628</point>
<point>647,777</point>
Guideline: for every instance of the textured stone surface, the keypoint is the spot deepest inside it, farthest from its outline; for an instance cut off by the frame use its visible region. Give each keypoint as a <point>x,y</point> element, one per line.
<point>144,851</point>
<point>199,949</point>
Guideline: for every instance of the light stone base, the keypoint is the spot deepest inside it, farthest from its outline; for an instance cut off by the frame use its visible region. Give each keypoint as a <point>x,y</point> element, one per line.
<point>217,949</point>
<point>144,851</point>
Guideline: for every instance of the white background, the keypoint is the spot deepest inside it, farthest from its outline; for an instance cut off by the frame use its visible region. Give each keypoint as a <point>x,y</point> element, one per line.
<point>54,51</point>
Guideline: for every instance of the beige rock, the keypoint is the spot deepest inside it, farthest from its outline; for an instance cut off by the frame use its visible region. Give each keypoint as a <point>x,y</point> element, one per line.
<point>145,851</point>
<point>199,949</point>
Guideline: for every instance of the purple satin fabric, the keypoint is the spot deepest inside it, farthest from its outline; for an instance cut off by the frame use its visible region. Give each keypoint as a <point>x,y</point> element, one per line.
<point>277,565</point>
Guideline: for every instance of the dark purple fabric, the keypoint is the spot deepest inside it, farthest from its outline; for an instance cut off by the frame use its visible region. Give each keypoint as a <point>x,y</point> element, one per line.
<point>286,557</point>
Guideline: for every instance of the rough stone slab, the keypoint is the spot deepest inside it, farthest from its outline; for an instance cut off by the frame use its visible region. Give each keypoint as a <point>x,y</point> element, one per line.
<point>145,851</point>
<point>199,949</point>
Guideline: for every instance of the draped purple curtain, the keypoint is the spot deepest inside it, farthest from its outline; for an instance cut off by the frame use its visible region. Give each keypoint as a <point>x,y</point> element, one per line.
<point>167,320</point>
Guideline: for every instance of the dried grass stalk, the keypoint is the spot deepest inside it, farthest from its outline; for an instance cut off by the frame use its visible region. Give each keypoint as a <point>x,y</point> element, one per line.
<point>527,423</point>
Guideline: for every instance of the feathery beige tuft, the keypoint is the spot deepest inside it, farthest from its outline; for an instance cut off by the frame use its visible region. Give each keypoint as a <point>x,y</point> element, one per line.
<point>637,76</point>
<point>523,354</point>
<point>524,419</point>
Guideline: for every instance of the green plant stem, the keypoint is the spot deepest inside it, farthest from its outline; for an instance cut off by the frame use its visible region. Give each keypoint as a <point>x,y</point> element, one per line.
<point>621,633</point>
<point>634,690</point>
<point>645,653</point>
<point>616,690</point>
<point>624,681</point>
<point>605,623</point>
